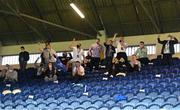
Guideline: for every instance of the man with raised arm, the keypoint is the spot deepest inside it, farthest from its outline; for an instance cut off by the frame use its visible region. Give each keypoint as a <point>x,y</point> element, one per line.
<point>168,48</point>
<point>109,53</point>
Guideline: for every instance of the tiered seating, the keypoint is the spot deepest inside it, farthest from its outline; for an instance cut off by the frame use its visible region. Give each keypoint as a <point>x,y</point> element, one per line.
<point>144,90</point>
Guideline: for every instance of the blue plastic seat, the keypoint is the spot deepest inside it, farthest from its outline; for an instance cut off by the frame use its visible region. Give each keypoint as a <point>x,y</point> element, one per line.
<point>31,106</point>
<point>98,102</point>
<point>42,105</point>
<point>75,104</point>
<point>80,108</point>
<point>91,108</point>
<point>167,106</point>
<point>104,108</point>
<point>64,104</point>
<point>172,99</point>
<point>141,107</point>
<point>128,107</point>
<point>154,107</point>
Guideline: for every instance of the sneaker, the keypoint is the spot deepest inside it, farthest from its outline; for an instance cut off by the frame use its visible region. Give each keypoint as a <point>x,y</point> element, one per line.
<point>121,74</point>
<point>106,73</point>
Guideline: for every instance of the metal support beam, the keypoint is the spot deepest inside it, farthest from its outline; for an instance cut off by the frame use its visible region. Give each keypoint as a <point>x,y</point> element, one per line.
<point>49,35</point>
<point>59,15</point>
<point>156,16</point>
<point>149,16</point>
<point>94,8</point>
<point>137,16</point>
<point>46,22</point>
<point>23,20</point>
<point>119,17</point>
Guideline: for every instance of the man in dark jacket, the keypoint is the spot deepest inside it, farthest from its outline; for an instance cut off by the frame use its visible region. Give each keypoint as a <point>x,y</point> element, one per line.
<point>110,51</point>
<point>23,58</point>
<point>168,49</point>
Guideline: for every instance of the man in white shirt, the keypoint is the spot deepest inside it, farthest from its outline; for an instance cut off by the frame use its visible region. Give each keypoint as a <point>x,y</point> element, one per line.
<point>78,54</point>
<point>121,49</point>
<point>121,61</point>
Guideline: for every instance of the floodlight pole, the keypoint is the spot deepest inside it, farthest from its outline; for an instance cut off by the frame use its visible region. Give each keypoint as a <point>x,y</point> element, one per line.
<point>150,17</point>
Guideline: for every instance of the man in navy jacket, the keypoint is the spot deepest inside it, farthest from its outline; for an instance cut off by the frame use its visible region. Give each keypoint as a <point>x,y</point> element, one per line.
<point>168,48</point>
<point>23,59</point>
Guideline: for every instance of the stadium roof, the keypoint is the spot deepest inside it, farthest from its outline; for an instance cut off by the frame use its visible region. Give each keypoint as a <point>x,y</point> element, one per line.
<point>30,21</point>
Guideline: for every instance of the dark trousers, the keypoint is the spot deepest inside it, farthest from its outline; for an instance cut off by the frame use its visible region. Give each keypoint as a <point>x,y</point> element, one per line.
<point>95,63</point>
<point>22,65</point>
<point>122,66</point>
<point>77,78</point>
<point>144,61</point>
<point>109,64</point>
<point>122,55</point>
<point>167,59</point>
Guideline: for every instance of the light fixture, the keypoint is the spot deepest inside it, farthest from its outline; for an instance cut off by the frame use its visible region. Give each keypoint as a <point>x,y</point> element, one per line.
<point>77,10</point>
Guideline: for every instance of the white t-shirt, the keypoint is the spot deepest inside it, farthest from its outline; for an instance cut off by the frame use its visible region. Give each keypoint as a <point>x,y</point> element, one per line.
<point>166,49</point>
<point>79,71</point>
<point>121,48</point>
<point>77,54</point>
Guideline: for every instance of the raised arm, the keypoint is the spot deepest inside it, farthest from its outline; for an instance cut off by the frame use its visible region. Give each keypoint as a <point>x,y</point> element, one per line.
<point>115,35</point>
<point>72,43</point>
<point>175,41</point>
<point>159,41</point>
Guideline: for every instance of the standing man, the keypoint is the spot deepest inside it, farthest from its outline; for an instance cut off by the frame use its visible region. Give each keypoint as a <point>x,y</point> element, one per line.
<point>23,59</point>
<point>110,51</point>
<point>141,54</point>
<point>49,55</point>
<point>95,51</point>
<point>121,60</point>
<point>78,54</point>
<point>168,48</point>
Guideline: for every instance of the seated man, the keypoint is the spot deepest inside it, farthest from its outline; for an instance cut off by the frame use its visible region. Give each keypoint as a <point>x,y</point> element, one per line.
<point>11,74</point>
<point>135,64</point>
<point>50,73</point>
<point>78,72</point>
<point>141,53</point>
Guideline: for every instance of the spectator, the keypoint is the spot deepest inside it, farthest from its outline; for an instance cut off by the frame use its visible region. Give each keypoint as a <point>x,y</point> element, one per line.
<point>121,61</point>
<point>78,53</point>
<point>168,48</point>
<point>121,49</point>
<point>23,59</point>
<point>141,53</point>
<point>11,74</point>
<point>110,50</point>
<point>87,61</point>
<point>49,55</point>
<point>50,73</point>
<point>135,64</point>
<point>64,58</point>
<point>39,67</point>
<point>78,72</point>
<point>95,51</point>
